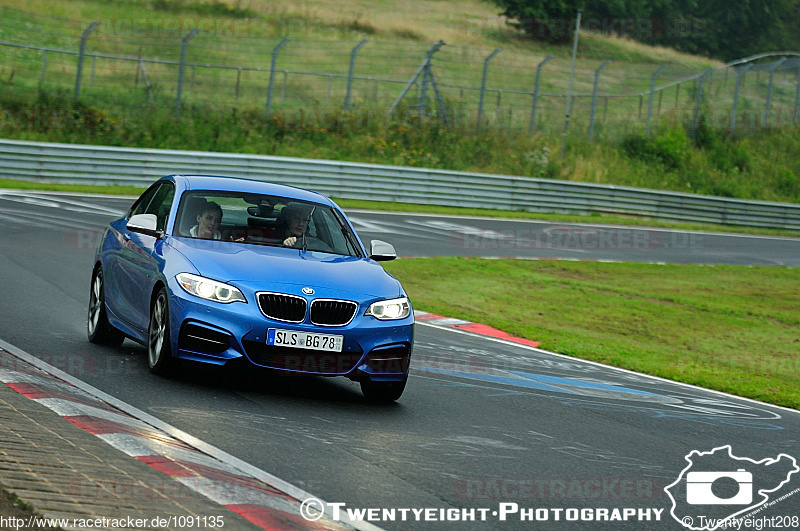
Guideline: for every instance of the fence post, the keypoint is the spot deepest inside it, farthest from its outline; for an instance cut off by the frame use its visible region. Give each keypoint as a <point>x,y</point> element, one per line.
<point>739,73</point>
<point>283,85</point>
<point>416,75</point>
<point>44,69</point>
<point>272,73</point>
<point>796,95</point>
<point>84,36</point>
<point>652,95</point>
<point>139,62</point>
<point>532,123</point>
<point>440,101</point>
<point>594,98</point>
<point>350,74</point>
<point>238,80</point>
<point>184,44</point>
<point>146,80</point>
<point>772,69</point>
<point>483,84</point>
<point>568,107</point>
<point>91,76</point>
<point>423,94</point>
<point>699,101</point>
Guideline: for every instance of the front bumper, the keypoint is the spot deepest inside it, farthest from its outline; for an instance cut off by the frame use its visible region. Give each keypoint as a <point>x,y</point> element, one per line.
<point>216,333</point>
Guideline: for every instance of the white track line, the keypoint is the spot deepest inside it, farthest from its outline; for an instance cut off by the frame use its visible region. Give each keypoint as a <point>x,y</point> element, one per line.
<point>224,457</point>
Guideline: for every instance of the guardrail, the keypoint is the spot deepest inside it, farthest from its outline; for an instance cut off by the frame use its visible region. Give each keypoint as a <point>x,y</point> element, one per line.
<point>72,163</point>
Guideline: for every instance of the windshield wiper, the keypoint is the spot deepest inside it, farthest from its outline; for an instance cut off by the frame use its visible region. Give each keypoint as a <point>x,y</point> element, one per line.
<point>349,237</point>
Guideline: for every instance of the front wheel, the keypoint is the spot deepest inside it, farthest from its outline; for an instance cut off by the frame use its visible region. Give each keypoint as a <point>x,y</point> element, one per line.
<point>98,328</point>
<point>382,392</point>
<point>159,352</point>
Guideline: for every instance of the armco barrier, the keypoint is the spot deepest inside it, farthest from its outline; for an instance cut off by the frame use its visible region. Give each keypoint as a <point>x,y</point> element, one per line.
<point>38,161</point>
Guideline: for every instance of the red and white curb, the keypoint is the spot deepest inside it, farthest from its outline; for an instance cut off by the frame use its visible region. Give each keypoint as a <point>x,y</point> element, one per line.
<point>225,481</point>
<point>467,326</point>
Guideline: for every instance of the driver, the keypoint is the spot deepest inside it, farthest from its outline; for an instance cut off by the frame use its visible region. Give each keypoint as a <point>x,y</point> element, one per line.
<point>292,223</point>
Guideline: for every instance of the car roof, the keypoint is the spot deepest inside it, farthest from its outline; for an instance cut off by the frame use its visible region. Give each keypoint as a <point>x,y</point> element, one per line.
<point>238,184</point>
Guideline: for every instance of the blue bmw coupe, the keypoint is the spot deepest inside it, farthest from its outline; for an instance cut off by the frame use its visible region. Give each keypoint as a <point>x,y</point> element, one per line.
<point>217,269</point>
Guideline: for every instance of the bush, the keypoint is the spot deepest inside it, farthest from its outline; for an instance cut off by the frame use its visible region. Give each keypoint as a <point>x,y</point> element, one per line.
<point>731,156</point>
<point>788,184</point>
<point>669,147</point>
<point>723,151</point>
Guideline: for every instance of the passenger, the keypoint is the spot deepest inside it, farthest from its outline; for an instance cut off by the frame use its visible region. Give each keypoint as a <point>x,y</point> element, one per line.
<point>208,221</point>
<point>292,223</point>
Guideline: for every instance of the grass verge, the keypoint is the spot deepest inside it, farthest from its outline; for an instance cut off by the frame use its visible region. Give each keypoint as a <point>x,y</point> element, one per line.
<point>72,188</point>
<point>729,328</point>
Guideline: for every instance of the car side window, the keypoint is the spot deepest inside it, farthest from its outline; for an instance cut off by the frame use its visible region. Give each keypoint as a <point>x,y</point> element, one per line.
<point>142,203</point>
<point>161,203</point>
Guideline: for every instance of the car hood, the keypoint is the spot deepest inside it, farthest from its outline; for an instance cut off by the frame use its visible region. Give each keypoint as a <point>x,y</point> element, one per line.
<point>265,268</point>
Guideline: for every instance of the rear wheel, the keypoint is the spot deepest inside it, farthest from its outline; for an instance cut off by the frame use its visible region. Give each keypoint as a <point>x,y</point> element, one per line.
<point>382,392</point>
<point>159,352</point>
<point>98,328</point>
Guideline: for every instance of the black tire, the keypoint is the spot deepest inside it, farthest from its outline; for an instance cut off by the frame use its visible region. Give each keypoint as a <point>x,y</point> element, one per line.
<point>382,392</point>
<point>159,351</point>
<point>98,328</point>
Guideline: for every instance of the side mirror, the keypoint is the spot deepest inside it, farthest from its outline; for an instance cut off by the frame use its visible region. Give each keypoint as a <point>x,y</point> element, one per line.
<point>144,224</point>
<point>381,251</point>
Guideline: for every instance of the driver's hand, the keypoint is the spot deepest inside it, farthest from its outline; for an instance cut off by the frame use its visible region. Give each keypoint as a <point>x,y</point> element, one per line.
<point>290,241</point>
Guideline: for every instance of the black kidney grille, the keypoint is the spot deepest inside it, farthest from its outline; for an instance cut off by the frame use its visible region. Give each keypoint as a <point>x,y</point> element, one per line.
<point>281,307</point>
<point>332,313</point>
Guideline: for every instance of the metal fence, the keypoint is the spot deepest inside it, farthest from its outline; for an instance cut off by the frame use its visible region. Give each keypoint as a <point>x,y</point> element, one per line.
<point>39,161</point>
<point>170,62</point>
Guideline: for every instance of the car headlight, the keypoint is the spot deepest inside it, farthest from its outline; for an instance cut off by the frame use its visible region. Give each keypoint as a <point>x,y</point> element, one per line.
<point>389,310</point>
<point>208,289</point>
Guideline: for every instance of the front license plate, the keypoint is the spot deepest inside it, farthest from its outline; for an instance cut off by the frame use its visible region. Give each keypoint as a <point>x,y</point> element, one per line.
<point>307,340</point>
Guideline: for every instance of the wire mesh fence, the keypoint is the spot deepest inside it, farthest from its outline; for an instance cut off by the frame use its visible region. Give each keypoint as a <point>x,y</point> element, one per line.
<point>164,62</point>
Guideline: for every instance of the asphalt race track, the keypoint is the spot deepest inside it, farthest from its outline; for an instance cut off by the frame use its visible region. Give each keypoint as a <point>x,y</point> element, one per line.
<point>483,422</point>
<point>425,235</point>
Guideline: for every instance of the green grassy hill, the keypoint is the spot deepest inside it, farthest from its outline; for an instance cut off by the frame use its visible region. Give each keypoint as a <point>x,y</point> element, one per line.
<point>127,102</point>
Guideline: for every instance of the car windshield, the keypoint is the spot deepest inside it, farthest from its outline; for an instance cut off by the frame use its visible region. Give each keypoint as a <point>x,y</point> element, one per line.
<point>257,219</point>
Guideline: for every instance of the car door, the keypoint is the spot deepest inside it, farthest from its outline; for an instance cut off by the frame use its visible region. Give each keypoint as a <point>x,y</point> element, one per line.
<point>119,285</point>
<point>139,260</point>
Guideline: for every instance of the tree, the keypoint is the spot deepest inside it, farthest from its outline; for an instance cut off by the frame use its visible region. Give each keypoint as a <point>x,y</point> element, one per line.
<point>725,29</point>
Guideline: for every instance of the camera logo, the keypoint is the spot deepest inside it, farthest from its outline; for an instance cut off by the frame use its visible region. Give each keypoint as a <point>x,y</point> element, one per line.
<point>699,488</point>
<point>716,487</point>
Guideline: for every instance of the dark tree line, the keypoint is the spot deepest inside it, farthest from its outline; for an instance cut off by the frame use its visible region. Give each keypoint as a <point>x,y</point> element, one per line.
<point>724,29</point>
